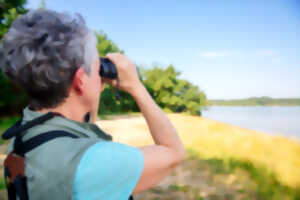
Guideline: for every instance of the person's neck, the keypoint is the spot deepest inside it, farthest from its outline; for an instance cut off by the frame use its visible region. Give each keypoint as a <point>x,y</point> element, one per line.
<point>68,110</point>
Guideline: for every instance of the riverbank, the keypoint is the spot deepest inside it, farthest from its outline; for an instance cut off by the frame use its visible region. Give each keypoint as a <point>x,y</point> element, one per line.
<point>256,101</point>
<point>212,139</point>
<point>224,161</point>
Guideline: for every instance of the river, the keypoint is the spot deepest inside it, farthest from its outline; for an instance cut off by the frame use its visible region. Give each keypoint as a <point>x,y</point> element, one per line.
<point>278,120</point>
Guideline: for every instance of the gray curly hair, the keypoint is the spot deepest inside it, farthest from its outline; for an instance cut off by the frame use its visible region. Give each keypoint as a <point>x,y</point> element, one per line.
<point>42,51</point>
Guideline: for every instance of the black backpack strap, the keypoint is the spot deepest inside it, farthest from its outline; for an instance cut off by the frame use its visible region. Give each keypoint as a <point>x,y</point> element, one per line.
<point>24,147</point>
<point>11,190</point>
<point>20,184</point>
<point>17,128</point>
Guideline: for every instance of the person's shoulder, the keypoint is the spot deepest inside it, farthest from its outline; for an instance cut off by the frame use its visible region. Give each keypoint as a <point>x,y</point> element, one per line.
<point>109,149</point>
<point>109,158</point>
<point>113,167</point>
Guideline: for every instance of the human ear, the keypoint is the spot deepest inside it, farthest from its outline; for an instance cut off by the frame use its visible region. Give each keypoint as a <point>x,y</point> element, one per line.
<point>77,83</point>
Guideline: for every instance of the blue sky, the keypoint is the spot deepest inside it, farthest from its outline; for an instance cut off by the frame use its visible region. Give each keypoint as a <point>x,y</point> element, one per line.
<point>230,49</point>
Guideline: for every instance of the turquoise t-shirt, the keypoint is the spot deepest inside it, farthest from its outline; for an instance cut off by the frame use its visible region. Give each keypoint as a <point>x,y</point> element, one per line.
<point>108,171</point>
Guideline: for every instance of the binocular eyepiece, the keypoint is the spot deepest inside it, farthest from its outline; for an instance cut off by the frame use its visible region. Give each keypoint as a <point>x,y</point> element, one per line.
<point>108,69</point>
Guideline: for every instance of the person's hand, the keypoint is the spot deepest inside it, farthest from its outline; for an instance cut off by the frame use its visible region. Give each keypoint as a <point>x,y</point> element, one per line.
<point>127,73</point>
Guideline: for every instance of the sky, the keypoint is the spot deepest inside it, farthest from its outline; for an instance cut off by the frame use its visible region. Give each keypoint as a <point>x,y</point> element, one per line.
<point>230,49</point>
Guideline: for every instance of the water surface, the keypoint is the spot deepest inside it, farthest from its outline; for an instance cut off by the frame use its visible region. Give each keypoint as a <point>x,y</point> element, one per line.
<point>280,120</point>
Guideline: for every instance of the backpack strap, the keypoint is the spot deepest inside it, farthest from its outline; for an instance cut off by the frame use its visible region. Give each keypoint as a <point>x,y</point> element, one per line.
<point>14,170</point>
<point>18,128</point>
<point>24,147</point>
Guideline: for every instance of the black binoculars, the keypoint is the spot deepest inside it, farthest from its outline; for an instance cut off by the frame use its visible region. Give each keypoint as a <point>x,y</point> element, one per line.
<point>108,69</point>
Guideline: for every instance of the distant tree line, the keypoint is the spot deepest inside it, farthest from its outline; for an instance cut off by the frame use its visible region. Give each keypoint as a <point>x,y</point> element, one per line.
<point>257,101</point>
<point>163,83</point>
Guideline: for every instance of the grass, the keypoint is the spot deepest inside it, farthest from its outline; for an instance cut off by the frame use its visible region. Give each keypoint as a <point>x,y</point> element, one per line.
<point>2,183</point>
<point>200,178</point>
<point>211,139</point>
<point>5,123</point>
<point>266,186</point>
<point>113,115</point>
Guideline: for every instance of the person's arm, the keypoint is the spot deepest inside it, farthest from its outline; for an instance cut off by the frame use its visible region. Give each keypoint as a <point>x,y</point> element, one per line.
<point>161,158</point>
<point>168,151</point>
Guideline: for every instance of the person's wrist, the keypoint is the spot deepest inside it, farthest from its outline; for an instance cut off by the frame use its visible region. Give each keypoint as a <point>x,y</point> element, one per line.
<point>137,89</point>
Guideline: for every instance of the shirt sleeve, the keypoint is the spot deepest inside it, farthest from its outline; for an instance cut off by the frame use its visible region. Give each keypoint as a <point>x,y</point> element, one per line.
<point>109,171</point>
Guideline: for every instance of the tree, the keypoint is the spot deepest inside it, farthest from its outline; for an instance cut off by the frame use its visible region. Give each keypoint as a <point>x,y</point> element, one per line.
<point>105,45</point>
<point>9,11</point>
<point>172,93</point>
<point>12,98</point>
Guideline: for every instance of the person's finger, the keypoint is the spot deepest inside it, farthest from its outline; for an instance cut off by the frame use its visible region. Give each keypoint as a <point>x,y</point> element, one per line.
<point>111,56</point>
<point>114,57</point>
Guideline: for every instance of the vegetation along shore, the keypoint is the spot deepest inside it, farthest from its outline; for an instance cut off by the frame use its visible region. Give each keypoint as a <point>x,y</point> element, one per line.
<point>256,101</point>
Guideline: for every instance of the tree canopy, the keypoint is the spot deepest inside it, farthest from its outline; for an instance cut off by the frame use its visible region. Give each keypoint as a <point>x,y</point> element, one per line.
<point>173,93</point>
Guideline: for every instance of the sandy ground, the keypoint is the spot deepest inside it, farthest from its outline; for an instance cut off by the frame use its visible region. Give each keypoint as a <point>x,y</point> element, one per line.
<point>134,130</point>
<point>216,139</point>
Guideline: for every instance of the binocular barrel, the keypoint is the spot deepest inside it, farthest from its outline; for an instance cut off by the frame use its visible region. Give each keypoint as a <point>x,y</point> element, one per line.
<point>107,69</point>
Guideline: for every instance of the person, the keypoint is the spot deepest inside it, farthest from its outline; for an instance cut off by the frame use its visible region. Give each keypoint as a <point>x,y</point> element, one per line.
<point>53,56</point>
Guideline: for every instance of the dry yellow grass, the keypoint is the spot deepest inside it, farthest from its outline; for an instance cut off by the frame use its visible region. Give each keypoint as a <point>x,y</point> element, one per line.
<point>214,139</point>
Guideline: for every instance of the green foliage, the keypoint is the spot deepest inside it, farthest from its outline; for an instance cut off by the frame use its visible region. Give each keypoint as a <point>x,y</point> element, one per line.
<point>105,45</point>
<point>256,101</point>
<point>12,98</point>
<point>9,11</point>
<point>5,123</point>
<point>110,105</point>
<point>173,93</point>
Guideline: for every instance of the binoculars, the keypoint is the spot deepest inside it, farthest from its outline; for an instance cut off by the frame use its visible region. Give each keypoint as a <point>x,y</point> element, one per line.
<point>108,69</point>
